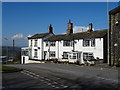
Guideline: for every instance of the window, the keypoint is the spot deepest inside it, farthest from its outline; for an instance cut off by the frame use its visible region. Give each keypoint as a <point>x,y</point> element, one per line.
<point>93,42</point>
<point>35,43</point>
<point>86,42</point>
<point>65,55</point>
<point>35,53</point>
<point>67,43</point>
<point>31,43</point>
<point>52,43</point>
<point>52,53</point>
<point>88,56</point>
<point>25,52</point>
<point>73,56</point>
<point>47,44</point>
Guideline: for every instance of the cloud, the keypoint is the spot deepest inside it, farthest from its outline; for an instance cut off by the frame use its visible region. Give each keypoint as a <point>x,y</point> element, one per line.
<point>17,36</point>
<point>77,29</point>
<point>29,35</point>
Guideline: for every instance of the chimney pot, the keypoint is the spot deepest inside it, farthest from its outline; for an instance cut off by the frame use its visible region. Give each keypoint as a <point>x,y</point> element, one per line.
<point>90,27</point>
<point>50,29</point>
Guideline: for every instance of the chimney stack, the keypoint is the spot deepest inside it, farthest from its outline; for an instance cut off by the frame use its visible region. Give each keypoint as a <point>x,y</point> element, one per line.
<point>50,29</point>
<point>90,27</point>
<point>70,27</point>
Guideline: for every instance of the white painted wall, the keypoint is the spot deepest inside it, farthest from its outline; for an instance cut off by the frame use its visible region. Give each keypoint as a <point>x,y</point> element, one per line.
<point>59,48</point>
<point>40,45</point>
<point>26,59</point>
<point>97,50</point>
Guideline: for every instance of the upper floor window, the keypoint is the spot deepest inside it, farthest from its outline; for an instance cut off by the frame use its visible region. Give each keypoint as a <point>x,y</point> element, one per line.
<point>93,42</point>
<point>35,43</point>
<point>25,52</point>
<point>67,43</point>
<point>52,43</point>
<point>47,43</point>
<point>52,53</point>
<point>86,42</point>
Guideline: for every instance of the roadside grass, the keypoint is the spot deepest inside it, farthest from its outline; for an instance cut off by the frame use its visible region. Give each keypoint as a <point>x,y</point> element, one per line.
<point>7,68</point>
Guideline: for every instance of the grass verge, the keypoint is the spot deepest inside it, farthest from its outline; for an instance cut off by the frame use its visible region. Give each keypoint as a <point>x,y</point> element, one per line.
<point>4,68</point>
<point>8,69</point>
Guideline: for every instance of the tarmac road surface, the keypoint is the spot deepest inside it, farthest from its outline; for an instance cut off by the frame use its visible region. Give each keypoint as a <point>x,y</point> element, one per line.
<point>59,76</point>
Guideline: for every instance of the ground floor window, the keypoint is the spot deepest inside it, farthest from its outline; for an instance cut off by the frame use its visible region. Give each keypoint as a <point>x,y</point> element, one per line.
<point>88,56</point>
<point>35,53</point>
<point>52,53</point>
<point>73,56</point>
<point>65,55</point>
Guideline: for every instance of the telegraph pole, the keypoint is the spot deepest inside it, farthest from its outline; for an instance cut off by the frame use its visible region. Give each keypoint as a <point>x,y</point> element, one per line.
<point>13,50</point>
<point>6,50</point>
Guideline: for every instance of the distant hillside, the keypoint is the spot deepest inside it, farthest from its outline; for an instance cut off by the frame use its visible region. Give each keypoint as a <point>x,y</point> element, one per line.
<point>9,50</point>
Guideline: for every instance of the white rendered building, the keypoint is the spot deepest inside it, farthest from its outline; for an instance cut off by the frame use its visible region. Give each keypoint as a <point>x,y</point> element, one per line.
<point>34,51</point>
<point>71,47</point>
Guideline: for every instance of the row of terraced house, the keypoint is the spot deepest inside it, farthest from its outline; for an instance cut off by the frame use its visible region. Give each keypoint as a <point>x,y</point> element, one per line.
<point>81,47</point>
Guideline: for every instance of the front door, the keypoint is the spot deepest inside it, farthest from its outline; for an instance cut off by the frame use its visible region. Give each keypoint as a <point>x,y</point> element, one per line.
<point>45,55</point>
<point>23,60</point>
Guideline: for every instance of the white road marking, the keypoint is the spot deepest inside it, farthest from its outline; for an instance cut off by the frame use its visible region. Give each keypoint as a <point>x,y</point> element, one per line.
<point>58,78</point>
<point>45,82</point>
<point>57,87</point>
<point>49,83</point>
<point>41,77</point>
<point>42,80</point>
<point>48,79</point>
<point>30,72</point>
<point>63,86</point>
<point>53,86</point>
<point>55,82</point>
<point>107,79</point>
<point>29,75</point>
<point>37,75</point>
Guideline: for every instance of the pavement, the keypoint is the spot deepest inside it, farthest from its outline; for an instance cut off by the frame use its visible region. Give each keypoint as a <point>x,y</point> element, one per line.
<point>60,76</point>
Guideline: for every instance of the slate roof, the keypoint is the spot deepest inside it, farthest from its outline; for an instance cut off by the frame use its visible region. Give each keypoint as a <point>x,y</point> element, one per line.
<point>81,35</point>
<point>38,36</point>
<point>115,10</point>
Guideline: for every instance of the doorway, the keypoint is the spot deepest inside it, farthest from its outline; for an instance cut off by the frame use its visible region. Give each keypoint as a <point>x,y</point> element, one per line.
<point>23,60</point>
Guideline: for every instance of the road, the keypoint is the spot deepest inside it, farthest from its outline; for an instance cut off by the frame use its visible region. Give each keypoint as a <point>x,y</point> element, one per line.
<point>48,75</point>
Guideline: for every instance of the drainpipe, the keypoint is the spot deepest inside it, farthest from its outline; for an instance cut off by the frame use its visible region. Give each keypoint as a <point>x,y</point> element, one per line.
<point>58,49</point>
<point>73,45</point>
<point>49,50</point>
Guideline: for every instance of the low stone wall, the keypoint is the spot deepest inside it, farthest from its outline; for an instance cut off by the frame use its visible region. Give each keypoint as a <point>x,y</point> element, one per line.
<point>98,62</point>
<point>33,61</point>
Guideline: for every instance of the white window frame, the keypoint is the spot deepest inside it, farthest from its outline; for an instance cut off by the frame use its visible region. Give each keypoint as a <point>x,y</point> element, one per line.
<point>65,55</point>
<point>52,53</point>
<point>93,42</point>
<point>67,43</point>
<point>36,43</point>
<point>35,53</point>
<point>88,55</point>
<point>86,42</point>
<point>52,43</point>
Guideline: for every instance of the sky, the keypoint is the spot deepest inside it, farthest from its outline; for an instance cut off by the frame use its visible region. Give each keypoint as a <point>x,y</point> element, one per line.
<point>22,19</point>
